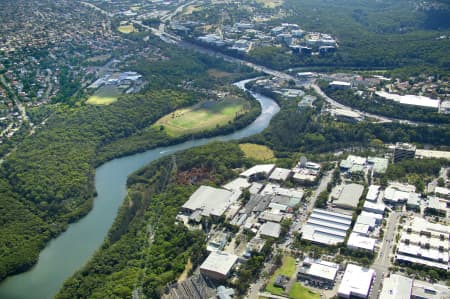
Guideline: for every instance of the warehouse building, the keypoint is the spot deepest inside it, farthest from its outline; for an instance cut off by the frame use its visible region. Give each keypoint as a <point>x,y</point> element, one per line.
<point>401,287</point>
<point>318,273</point>
<point>347,197</point>
<point>372,193</point>
<point>356,282</point>
<point>426,290</point>
<point>361,242</point>
<point>280,174</point>
<point>326,227</point>
<point>270,229</point>
<point>238,184</point>
<point>398,194</point>
<point>396,287</point>
<point>210,202</point>
<point>377,208</point>
<point>258,171</point>
<point>218,265</point>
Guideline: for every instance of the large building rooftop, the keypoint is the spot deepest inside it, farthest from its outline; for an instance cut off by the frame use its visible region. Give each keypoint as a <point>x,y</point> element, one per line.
<point>348,196</point>
<point>280,174</point>
<point>237,184</point>
<point>326,227</point>
<point>270,229</point>
<point>357,241</point>
<point>356,282</point>
<point>262,169</point>
<point>218,264</point>
<point>320,269</point>
<point>396,287</point>
<point>211,201</point>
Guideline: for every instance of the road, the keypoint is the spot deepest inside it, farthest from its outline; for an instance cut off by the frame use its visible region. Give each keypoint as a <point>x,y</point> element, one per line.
<point>333,103</point>
<point>382,262</point>
<point>254,289</point>
<point>173,39</point>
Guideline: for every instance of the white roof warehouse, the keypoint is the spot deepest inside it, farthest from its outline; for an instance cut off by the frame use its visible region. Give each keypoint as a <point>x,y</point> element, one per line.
<point>210,201</point>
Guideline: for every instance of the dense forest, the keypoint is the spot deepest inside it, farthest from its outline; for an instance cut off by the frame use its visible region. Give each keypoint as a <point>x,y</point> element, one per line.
<point>47,182</point>
<point>305,131</point>
<point>371,34</point>
<point>126,260</point>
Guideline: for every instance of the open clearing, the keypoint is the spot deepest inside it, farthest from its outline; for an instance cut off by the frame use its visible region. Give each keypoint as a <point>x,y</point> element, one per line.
<point>286,269</point>
<point>218,73</point>
<point>104,95</point>
<point>126,28</point>
<point>256,151</point>
<point>203,116</point>
<point>270,3</point>
<point>298,291</point>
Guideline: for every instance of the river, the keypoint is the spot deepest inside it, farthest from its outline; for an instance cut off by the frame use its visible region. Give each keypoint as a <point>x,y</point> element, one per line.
<point>73,248</point>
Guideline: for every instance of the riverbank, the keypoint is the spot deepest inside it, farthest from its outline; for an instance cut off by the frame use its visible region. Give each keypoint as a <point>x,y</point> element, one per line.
<point>73,248</point>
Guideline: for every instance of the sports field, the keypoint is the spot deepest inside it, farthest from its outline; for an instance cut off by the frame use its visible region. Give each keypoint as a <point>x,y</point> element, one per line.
<point>257,152</point>
<point>126,28</point>
<point>201,117</point>
<point>104,95</point>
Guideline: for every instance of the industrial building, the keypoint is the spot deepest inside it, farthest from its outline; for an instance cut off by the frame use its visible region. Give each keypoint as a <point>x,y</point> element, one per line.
<point>398,194</point>
<point>377,208</point>
<point>403,151</point>
<point>442,192</point>
<point>347,196</point>
<point>360,242</point>
<point>437,206</point>
<point>379,165</point>
<point>280,174</point>
<point>318,273</point>
<point>372,193</point>
<point>261,170</point>
<point>238,184</point>
<point>326,227</point>
<point>396,287</point>
<point>370,218</point>
<point>356,282</point>
<point>218,265</point>
<point>209,202</point>
<point>270,229</point>
<point>351,160</point>
<point>426,290</point>
<point>400,287</point>
<point>340,84</point>
<point>425,243</point>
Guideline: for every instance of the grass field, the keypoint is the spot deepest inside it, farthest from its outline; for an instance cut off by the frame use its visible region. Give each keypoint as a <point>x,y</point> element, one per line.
<point>126,28</point>
<point>286,269</point>
<point>298,291</point>
<point>104,96</point>
<point>200,117</point>
<point>257,152</point>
